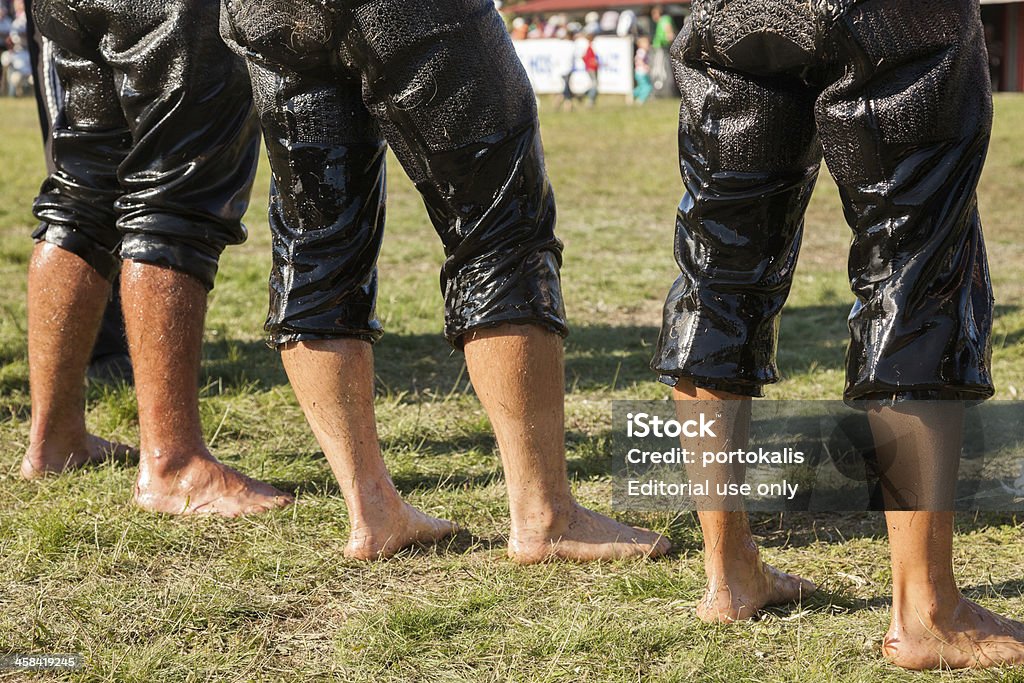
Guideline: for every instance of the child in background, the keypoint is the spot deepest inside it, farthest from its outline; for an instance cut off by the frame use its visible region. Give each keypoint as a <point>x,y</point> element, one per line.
<point>642,70</point>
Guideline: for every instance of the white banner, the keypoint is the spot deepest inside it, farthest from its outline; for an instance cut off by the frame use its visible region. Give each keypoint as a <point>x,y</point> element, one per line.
<point>548,60</point>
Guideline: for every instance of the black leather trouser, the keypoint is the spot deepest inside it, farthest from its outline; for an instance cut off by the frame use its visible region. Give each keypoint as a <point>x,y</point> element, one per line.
<point>896,97</point>
<point>154,145</point>
<point>441,84</point>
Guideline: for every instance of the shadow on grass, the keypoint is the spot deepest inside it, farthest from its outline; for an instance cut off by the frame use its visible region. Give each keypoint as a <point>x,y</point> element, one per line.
<point>839,601</point>
<point>803,529</point>
<point>597,357</point>
<point>407,482</point>
<point>1013,588</point>
<point>423,365</point>
<point>466,541</point>
<point>461,543</point>
<point>826,600</point>
<point>233,364</point>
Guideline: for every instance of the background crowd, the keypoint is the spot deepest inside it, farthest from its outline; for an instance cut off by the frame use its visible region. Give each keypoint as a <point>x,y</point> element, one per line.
<point>15,65</point>
<point>652,35</point>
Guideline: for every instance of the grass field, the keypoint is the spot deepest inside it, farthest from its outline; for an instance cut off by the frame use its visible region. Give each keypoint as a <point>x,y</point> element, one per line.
<point>149,598</point>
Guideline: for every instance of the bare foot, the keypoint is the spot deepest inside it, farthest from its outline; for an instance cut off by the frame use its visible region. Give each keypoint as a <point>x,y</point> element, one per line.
<point>585,536</point>
<point>968,636</point>
<point>204,486</point>
<point>406,527</point>
<point>735,599</point>
<point>47,457</point>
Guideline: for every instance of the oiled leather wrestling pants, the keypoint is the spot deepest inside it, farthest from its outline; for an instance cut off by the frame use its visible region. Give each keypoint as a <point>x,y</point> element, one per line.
<point>896,96</point>
<point>441,84</point>
<point>154,145</point>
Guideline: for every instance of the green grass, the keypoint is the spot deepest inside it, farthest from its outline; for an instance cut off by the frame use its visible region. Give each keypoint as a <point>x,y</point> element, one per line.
<point>149,598</point>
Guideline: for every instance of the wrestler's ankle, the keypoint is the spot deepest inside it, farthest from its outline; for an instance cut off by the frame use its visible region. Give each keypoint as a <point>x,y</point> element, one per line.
<point>735,558</point>
<point>57,430</point>
<point>168,461</point>
<point>544,515</point>
<point>56,444</point>
<point>375,506</point>
<point>50,452</point>
<point>925,605</point>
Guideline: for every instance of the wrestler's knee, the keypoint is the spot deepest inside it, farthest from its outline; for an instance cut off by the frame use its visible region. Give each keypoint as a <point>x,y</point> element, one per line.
<point>175,243</point>
<point>99,251</point>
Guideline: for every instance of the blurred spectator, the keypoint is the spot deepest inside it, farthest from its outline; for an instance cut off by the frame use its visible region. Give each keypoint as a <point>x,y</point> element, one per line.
<point>5,28</point>
<point>592,23</point>
<point>590,63</point>
<point>20,23</point>
<point>567,68</point>
<point>664,34</point>
<point>536,28</point>
<point>553,28</point>
<point>609,21</point>
<point>17,67</point>
<point>499,5</point>
<point>520,28</point>
<point>627,24</point>
<point>642,70</point>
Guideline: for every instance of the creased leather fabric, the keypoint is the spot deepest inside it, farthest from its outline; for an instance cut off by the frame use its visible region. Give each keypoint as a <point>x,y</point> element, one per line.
<point>154,147</point>
<point>440,84</point>
<point>896,97</point>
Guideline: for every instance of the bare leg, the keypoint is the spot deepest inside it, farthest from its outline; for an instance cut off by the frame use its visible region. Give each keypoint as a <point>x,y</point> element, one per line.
<point>739,583</point>
<point>164,312</point>
<point>333,380</point>
<point>933,626</point>
<point>66,298</point>
<point>517,373</point>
